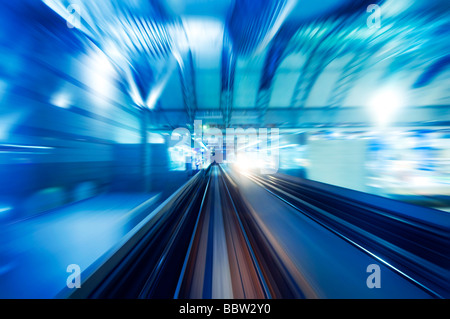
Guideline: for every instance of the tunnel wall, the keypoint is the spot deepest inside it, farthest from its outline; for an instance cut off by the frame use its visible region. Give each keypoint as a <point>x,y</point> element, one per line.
<point>68,127</point>
<point>338,162</point>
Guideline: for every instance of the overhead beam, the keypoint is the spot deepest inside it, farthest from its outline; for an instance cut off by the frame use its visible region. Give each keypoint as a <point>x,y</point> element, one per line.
<point>316,117</point>
<point>275,56</point>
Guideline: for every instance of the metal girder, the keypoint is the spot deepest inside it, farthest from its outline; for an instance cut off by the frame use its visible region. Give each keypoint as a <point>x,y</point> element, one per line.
<point>308,77</point>
<point>325,49</point>
<point>250,21</point>
<point>317,117</point>
<point>251,25</point>
<point>275,56</point>
<point>350,73</point>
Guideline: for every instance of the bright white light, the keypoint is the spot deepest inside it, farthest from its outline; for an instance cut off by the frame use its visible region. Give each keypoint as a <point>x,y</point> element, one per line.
<point>157,90</point>
<point>384,105</point>
<point>154,96</point>
<point>180,39</point>
<point>204,33</point>
<point>112,50</point>
<point>422,181</point>
<point>205,39</point>
<point>243,164</point>
<point>61,99</point>
<point>135,95</point>
<point>155,138</point>
<point>100,76</point>
<point>5,209</point>
<point>103,70</point>
<point>247,161</point>
<point>28,146</point>
<point>64,11</point>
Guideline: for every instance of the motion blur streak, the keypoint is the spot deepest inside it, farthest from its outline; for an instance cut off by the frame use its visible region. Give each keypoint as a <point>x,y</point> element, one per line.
<point>115,155</point>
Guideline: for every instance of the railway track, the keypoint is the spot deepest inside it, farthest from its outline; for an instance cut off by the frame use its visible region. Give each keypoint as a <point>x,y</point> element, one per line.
<point>415,249</point>
<point>207,241</point>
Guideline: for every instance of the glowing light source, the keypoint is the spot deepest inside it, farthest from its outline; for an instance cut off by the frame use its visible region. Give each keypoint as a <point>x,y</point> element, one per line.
<point>5,209</point>
<point>384,105</point>
<point>100,76</point>
<point>243,163</point>
<point>27,146</point>
<point>204,33</point>
<point>60,99</point>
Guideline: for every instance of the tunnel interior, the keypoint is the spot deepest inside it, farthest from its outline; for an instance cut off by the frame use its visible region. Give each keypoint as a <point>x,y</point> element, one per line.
<point>224,148</point>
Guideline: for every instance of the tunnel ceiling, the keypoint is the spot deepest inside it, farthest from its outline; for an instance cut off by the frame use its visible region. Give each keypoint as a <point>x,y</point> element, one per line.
<point>283,63</point>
